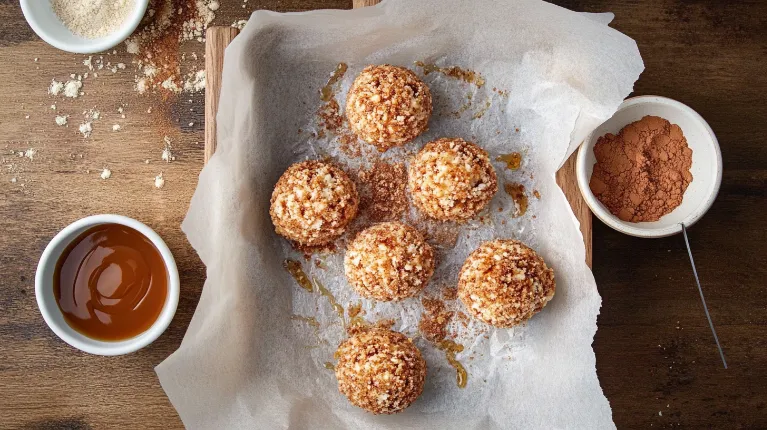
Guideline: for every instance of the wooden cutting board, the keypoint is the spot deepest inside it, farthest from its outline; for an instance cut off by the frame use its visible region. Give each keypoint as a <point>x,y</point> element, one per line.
<point>219,37</point>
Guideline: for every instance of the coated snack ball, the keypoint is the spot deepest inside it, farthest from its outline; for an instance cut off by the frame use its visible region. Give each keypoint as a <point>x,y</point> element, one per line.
<point>389,261</point>
<point>451,180</point>
<point>313,202</point>
<point>504,283</point>
<point>388,106</point>
<point>380,370</point>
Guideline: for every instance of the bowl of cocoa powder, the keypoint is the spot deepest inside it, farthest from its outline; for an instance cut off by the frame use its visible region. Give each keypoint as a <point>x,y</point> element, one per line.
<point>651,167</point>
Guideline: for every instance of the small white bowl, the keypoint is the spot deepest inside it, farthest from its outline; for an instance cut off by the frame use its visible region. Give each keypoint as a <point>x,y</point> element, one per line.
<point>40,16</point>
<point>706,165</point>
<point>46,300</point>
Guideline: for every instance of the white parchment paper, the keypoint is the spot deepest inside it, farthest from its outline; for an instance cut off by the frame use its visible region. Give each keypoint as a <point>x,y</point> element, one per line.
<point>551,76</point>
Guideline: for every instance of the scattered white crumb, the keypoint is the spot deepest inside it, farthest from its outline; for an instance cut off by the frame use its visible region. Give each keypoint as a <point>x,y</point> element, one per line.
<point>53,107</point>
<point>30,153</point>
<point>131,46</point>
<point>95,114</point>
<point>55,88</point>
<point>239,24</point>
<point>159,181</point>
<point>88,62</point>
<point>191,124</point>
<point>213,5</point>
<point>660,413</point>
<point>36,59</point>
<point>116,127</point>
<point>13,180</point>
<point>120,109</point>
<point>141,85</point>
<point>150,70</point>
<point>121,66</point>
<point>146,161</point>
<point>106,174</point>
<point>195,81</point>
<point>171,85</point>
<point>61,120</point>
<point>149,110</point>
<point>167,156</point>
<point>26,116</point>
<point>72,89</point>
<point>86,128</point>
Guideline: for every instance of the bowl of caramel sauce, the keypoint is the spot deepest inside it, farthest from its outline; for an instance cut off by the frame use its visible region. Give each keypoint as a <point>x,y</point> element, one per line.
<point>107,285</point>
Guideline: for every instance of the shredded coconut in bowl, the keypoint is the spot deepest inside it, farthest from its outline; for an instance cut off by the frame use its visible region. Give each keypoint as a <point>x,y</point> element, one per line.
<point>93,19</point>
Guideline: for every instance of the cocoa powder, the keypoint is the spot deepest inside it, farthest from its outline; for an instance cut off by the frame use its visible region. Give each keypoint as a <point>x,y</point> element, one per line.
<point>642,172</point>
<point>383,190</point>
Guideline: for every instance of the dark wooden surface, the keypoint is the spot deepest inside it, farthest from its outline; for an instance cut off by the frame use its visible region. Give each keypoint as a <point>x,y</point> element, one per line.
<point>655,357</point>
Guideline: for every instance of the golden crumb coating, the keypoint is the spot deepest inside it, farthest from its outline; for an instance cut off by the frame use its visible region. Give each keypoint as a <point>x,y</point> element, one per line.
<point>504,283</point>
<point>313,202</point>
<point>451,180</point>
<point>388,106</point>
<point>380,370</point>
<point>389,261</point>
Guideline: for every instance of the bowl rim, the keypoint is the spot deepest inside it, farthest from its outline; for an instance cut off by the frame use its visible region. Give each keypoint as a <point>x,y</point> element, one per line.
<point>635,230</point>
<point>44,295</point>
<point>95,45</point>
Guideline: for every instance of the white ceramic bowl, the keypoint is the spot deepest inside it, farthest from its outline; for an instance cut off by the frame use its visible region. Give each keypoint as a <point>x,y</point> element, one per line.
<point>40,16</point>
<point>46,300</point>
<point>706,165</point>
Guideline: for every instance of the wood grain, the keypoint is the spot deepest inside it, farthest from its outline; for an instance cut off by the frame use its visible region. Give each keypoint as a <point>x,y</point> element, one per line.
<point>654,352</point>
<point>216,40</point>
<point>568,182</point>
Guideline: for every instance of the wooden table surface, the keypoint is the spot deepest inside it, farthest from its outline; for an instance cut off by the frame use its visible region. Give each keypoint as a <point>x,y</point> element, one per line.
<point>655,356</point>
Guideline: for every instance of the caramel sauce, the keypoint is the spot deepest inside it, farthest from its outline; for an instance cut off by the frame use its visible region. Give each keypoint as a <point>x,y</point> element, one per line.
<point>468,76</point>
<point>482,111</point>
<point>110,283</point>
<point>355,316</point>
<point>517,193</point>
<point>294,268</point>
<point>327,93</point>
<point>355,310</point>
<point>309,320</point>
<point>333,303</point>
<point>451,349</point>
<point>512,160</point>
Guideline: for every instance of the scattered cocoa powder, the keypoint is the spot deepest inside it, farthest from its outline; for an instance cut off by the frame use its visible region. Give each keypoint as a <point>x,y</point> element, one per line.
<point>642,173</point>
<point>463,319</point>
<point>310,250</point>
<point>383,192</point>
<point>439,234</point>
<point>450,293</point>
<point>156,44</point>
<point>330,116</point>
<point>349,144</point>
<point>434,319</point>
